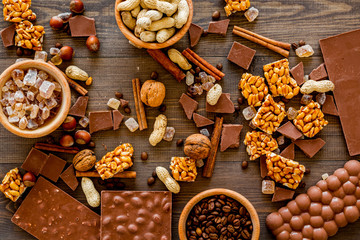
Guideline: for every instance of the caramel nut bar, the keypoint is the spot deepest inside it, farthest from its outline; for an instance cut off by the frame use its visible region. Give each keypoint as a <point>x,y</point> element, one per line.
<point>17,10</point>
<point>310,119</point>
<point>278,77</point>
<point>269,116</point>
<point>115,161</point>
<point>259,143</point>
<point>253,88</point>
<point>29,36</point>
<point>183,169</point>
<point>233,6</point>
<point>285,171</point>
<point>12,185</point>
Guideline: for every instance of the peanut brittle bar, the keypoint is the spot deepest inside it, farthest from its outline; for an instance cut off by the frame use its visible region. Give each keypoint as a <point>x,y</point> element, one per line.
<point>29,36</point>
<point>183,169</point>
<point>18,10</point>
<point>259,143</point>
<point>233,6</point>
<point>12,185</point>
<point>253,88</point>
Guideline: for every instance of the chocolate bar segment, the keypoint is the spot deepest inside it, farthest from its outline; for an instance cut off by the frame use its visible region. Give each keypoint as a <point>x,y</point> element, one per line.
<point>224,105</point>
<point>189,105</point>
<point>53,167</point>
<point>298,73</point>
<point>310,146</point>
<point>34,161</point>
<point>195,32</point>
<point>69,177</point>
<point>7,36</point>
<point>81,26</point>
<point>329,106</point>
<point>230,136</point>
<point>318,73</point>
<point>117,119</point>
<point>219,27</point>
<point>79,107</point>
<point>290,131</point>
<point>241,55</point>
<point>289,152</point>
<point>201,121</point>
<point>100,121</point>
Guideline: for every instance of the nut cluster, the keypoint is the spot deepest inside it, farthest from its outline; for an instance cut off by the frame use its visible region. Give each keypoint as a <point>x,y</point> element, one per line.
<point>254,89</point>
<point>18,10</point>
<point>284,171</point>
<point>233,6</point>
<point>310,119</point>
<point>269,116</point>
<point>183,169</point>
<point>115,161</point>
<point>259,143</point>
<point>29,36</point>
<point>279,80</point>
<point>12,185</point>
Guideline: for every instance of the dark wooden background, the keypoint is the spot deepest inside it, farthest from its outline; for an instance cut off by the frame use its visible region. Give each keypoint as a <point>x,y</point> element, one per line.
<point>117,63</point>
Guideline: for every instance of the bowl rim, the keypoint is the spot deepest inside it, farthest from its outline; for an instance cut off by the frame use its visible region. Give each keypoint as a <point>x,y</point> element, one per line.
<point>64,107</point>
<point>218,191</point>
<point>174,39</point>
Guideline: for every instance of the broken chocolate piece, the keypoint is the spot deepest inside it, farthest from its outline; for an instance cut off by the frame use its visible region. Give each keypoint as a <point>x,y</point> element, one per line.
<point>224,105</point>
<point>99,121</point>
<point>289,152</point>
<point>282,194</point>
<point>263,168</point>
<point>34,161</point>
<point>329,106</point>
<point>219,27</point>
<point>69,177</point>
<point>298,73</point>
<point>8,36</point>
<point>230,136</point>
<point>53,167</point>
<point>117,119</point>
<point>81,26</point>
<point>290,131</point>
<point>189,105</point>
<point>241,55</point>
<point>318,73</point>
<point>195,32</point>
<point>310,147</point>
<point>201,121</point>
<point>79,107</point>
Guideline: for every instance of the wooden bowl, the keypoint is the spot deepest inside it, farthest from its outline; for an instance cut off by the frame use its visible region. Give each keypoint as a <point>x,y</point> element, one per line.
<point>218,191</point>
<point>53,123</point>
<point>174,39</point>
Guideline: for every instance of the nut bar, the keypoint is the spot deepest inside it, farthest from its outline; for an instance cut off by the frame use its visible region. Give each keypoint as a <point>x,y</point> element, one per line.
<point>49,213</point>
<point>183,169</point>
<point>284,171</point>
<point>29,36</point>
<point>259,143</point>
<point>310,119</point>
<point>115,161</point>
<point>18,10</point>
<point>233,6</point>
<point>253,88</point>
<point>269,116</point>
<point>12,185</point>
<point>278,77</point>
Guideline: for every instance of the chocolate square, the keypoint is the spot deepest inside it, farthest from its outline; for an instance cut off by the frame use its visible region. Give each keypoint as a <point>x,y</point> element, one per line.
<point>224,105</point>
<point>189,105</point>
<point>219,27</point>
<point>117,119</point>
<point>230,136</point>
<point>100,121</point>
<point>53,167</point>
<point>329,106</point>
<point>201,121</point>
<point>81,26</point>
<point>69,177</point>
<point>195,32</point>
<point>318,73</point>
<point>241,55</point>
<point>298,73</point>
<point>79,107</point>
<point>290,131</point>
<point>282,194</point>
<point>289,152</point>
<point>8,36</point>
<point>310,146</point>
<point>34,161</point>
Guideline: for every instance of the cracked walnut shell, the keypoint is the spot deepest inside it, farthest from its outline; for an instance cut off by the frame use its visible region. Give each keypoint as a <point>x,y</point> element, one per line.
<point>197,146</point>
<point>84,160</point>
<point>152,93</point>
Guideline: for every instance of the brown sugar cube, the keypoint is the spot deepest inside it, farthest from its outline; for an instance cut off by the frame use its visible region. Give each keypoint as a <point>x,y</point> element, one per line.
<point>233,6</point>
<point>183,169</point>
<point>310,119</point>
<point>29,36</point>
<point>16,11</point>
<point>277,75</point>
<point>253,88</point>
<point>259,143</point>
<point>12,185</point>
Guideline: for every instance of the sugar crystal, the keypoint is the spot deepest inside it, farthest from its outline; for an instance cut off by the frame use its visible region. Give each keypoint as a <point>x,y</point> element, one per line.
<point>45,113</point>
<point>203,77</point>
<point>198,88</point>
<point>304,51</point>
<point>131,124</point>
<point>189,78</point>
<point>251,14</point>
<point>32,124</point>
<point>46,89</point>
<point>40,56</point>
<point>306,99</point>
<point>321,98</point>
<point>249,112</point>
<point>9,110</point>
<point>169,134</point>
<point>113,103</point>
<point>199,163</point>
<point>34,111</point>
<point>30,95</point>
<point>17,74</point>
<point>19,96</point>
<point>84,122</point>
<point>18,106</point>
<point>268,187</point>
<point>30,77</point>
<point>205,132</point>
<point>13,119</point>
<point>291,113</point>
<point>54,51</point>
<point>51,103</point>
<point>207,86</point>
<point>281,140</point>
<point>23,123</point>
<point>43,75</point>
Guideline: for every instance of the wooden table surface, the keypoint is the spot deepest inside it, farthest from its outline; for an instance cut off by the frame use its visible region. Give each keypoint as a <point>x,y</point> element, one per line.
<point>117,63</point>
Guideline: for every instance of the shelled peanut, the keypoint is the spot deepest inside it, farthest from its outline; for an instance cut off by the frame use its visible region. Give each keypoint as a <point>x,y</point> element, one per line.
<point>18,10</point>
<point>183,169</point>
<point>253,88</point>
<point>12,185</point>
<point>259,143</point>
<point>233,6</point>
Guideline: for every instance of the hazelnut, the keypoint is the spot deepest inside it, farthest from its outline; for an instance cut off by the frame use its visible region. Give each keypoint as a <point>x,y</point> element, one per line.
<point>197,146</point>
<point>93,43</point>
<point>84,160</point>
<point>29,179</point>
<point>151,181</point>
<point>56,23</point>
<point>69,124</point>
<point>144,156</point>
<point>19,52</point>
<point>58,45</point>
<point>65,17</point>
<point>119,95</point>
<point>28,52</point>
<point>216,16</point>
<point>82,137</point>
<point>66,141</point>
<point>152,93</point>
<point>66,53</point>
<point>77,6</point>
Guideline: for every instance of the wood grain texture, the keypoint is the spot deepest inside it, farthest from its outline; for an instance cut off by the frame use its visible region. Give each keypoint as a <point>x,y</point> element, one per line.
<point>117,63</point>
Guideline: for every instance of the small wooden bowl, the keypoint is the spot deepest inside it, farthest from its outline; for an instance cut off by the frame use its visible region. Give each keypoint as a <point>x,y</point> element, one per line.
<point>218,191</point>
<point>53,123</point>
<point>174,39</point>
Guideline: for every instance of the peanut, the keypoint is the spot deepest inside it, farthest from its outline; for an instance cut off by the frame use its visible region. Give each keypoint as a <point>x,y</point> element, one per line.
<point>76,73</point>
<point>159,130</point>
<point>164,34</point>
<point>166,22</point>
<point>128,20</point>
<point>214,94</point>
<point>91,194</point>
<point>169,182</point>
<point>148,18</point>
<point>182,14</point>
<point>135,12</point>
<point>128,5</point>
<point>168,8</point>
<point>134,45</point>
<point>148,36</point>
<point>318,86</point>
<point>138,30</point>
<point>179,59</point>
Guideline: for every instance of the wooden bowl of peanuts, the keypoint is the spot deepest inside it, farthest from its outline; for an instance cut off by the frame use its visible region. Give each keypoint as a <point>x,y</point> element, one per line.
<point>220,197</point>
<point>35,98</point>
<point>159,27</point>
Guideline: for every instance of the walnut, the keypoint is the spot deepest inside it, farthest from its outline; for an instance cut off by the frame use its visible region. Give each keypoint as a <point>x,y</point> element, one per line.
<point>197,146</point>
<point>84,160</point>
<point>152,93</point>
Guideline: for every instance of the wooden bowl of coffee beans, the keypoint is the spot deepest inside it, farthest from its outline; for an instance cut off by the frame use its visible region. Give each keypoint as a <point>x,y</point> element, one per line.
<point>219,214</point>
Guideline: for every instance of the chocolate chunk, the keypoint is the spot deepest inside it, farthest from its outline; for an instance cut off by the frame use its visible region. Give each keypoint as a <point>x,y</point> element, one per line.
<point>189,105</point>
<point>100,121</point>
<point>230,136</point>
<point>289,152</point>
<point>49,213</point>
<point>241,55</point>
<point>81,26</point>
<point>310,146</point>
<point>329,106</point>
<point>290,131</point>
<point>318,73</point>
<point>282,194</point>
<point>53,167</point>
<point>117,119</point>
<point>34,161</point>
<point>79,107</point>
<point>219,27</point>
<point>201,121</point>
<point>69,177</point>
<point>195,32</point>
<point>263,168</point>
<point>123,103</point>
<point>224,105</point>
<point>8,36</point>
<point>298,73</point>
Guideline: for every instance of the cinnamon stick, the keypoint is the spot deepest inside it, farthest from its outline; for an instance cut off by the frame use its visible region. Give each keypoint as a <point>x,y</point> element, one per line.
<point>95,174</point>
<point>215,139</point>
<point>265,39</point>
<point>139,106</point>
<point>164,61</point>
<point>56,148</point>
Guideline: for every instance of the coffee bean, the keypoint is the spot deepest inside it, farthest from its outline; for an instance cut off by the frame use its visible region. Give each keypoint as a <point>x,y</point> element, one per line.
<point>294,46</point>
<point>120,185</point>
<point>154,75</point>
<point>110,185</point>
<point>119,95</point>
<point>127,110</point>
<point>219,66</point>
<point>162,108</point>
<point>226,209</point>
<point>91,144</point>
<point>216,15</point>
<point>198,231</point>
<point>302,43</point>
<point>179,142</point>
<point>28,52</point>
<point>151,181</point>
<point>244,164</point>
<point>154,175</point>
<point>307,171</point>
<point>19,52</point>
<point>144,156</point>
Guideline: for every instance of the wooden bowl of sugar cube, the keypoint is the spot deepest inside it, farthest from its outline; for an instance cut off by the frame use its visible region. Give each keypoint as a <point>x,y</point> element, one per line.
<point>35,98</point>
<point>153,24</point>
